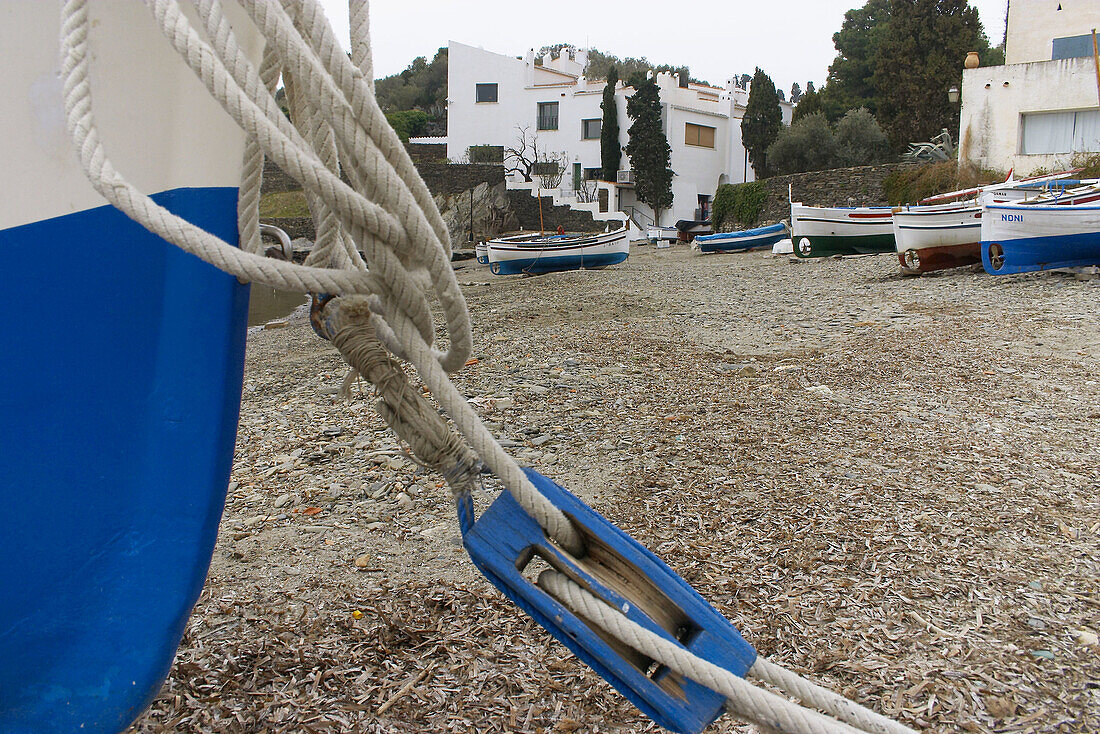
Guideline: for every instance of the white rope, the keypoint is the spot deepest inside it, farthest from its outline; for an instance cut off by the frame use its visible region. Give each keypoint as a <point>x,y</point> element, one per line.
<point>386,221</point>
<point>745,700</point>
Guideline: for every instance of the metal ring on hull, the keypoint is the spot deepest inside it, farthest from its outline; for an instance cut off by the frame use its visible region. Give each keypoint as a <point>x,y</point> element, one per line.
<point>996,256</point>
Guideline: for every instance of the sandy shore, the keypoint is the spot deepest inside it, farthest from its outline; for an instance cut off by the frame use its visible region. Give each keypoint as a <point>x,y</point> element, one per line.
<point>889,485</point>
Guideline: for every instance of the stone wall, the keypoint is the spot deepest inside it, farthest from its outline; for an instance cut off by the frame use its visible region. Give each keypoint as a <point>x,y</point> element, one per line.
<point>448,179</point>
<point>276,180</point>
<point>525,208</point>
<point>427,152</point>
<point>858,186</point>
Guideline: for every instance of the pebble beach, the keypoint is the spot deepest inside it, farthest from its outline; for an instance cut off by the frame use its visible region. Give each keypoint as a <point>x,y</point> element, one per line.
<point>890,485</point>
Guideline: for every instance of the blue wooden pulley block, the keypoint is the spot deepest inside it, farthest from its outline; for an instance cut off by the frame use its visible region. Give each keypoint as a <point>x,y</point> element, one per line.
<point>510,548</point>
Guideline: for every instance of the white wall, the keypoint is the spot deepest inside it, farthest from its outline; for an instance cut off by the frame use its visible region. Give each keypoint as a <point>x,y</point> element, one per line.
<point>1033,24</point>
<point>995,97</point>
<point>522,85</point>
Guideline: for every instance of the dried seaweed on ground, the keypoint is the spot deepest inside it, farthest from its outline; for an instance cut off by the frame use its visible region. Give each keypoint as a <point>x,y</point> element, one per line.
<point>888,485</point>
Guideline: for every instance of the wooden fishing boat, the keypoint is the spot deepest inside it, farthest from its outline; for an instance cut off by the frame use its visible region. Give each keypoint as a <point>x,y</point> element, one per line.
<point>939,236</point>
<point>120,385</point>
<point>537,253</point>
<point>481,251</point>
<point>1019,238</point>
<point>823,231</point>
<point>743,240</point>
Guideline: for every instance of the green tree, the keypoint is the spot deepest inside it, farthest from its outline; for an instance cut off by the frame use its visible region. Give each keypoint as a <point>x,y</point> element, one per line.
<point>808,104</point>
<point>421,86</point>
<point>610,151</point>
<point>762,121</point>
<point>850,83</point>
<point>807,145</point>
<point>859,140</point>
<point>648,148</point>
<point>920,55</point>
<point>408,123</point>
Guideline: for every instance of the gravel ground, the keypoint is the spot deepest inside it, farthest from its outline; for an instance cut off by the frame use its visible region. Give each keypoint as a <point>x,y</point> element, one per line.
<point>889,485</point>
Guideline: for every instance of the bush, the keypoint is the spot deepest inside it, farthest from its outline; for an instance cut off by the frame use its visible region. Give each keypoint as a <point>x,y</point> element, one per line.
<point>859,140</point>
<point>740,203</point>
<point>724,199</point>
<point>408,123</point>
<point>807,145</point>
<point>750,201</point>
<point>911,184</point>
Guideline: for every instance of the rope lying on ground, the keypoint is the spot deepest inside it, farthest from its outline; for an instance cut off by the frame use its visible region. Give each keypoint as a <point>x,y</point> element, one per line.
<point>388,215</point>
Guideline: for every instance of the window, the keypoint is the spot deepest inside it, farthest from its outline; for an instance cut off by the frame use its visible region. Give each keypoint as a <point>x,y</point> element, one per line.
<point>1060,132</point>
<point>700,135</point>
<point>1071,47</point>
<point>485,92</point>
<point>548,116</point>
<point>486,154</point>
<point>592,174</point>
<point>590,129</point>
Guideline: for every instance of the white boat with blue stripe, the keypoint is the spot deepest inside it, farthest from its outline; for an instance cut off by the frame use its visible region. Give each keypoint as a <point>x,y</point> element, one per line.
<point>1019,238</point>
<point>745,239</point>
<point>538,253</point>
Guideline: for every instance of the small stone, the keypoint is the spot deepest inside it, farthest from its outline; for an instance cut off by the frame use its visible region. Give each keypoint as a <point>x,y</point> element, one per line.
<point>1086,637</point>
<point>540,440</point>
<point>283,500</point>
<point>404,501</point>
<point>364,561</point>
<point>376,525</point>
<point>1045,654</point>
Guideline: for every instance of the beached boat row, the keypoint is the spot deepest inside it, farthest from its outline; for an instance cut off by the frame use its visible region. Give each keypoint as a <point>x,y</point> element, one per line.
<point>1017,226</point>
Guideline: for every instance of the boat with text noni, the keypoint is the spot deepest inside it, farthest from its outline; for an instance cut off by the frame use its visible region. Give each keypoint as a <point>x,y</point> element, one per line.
<point>1019,238</point>
<point>819,231</point>
<point>947,235</point>
<point>534,254</point>
<point>745,239</point>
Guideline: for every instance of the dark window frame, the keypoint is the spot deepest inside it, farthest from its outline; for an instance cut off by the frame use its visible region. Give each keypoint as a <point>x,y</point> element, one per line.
<point>543,120</point>
<point>584,128</point>
<point>485,86</point>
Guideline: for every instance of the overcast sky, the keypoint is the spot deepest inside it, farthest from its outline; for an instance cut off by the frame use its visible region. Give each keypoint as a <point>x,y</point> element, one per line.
<point>792,40</point>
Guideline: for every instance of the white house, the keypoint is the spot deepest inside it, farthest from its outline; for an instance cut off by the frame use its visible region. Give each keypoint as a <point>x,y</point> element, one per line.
<point>1040,108</point>
<point>492,97</point>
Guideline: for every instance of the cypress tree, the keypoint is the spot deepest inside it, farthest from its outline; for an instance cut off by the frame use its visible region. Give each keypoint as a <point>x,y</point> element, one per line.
<point>920,57</point>
<point>649,151</point>
<point>610,151</point>
<point>762,121</point>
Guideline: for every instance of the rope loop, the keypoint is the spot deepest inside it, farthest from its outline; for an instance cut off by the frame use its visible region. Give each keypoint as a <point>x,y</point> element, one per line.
<point>381,258</point>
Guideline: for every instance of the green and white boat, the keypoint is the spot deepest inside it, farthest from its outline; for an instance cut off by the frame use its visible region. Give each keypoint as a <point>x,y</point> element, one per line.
<point>819,231</point>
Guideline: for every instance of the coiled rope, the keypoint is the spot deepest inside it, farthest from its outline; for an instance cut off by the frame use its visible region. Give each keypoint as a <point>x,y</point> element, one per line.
<point>383,249</point>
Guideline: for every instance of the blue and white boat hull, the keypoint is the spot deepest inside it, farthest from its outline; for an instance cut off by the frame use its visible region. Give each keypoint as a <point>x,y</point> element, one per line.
<point>120,386</point>
<point>1019,238</point>
<point>536,254</point>
<point>743,240</point>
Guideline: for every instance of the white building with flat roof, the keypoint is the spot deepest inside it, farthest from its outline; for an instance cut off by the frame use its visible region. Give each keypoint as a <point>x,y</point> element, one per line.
<point>1040,108</point>
<point>492,98</point>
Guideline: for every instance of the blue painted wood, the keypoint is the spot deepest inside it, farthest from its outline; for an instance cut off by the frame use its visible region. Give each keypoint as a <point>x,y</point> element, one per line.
<point>119,394</point>
<point>502,540</point>
<point>743,240</point>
